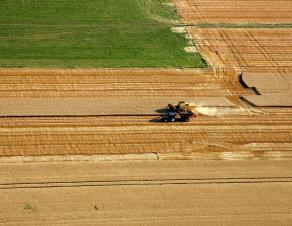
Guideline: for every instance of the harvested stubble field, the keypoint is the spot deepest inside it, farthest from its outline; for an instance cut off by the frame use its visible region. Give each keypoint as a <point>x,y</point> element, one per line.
<point>234,11</point>
<point>254,50</point>
<point>237,129</point>
<point>111,82</point>
<point>146,193</point>
<point>258,53</point>
<point>238,137</point>
<point>41,184</point>
<point>274,89</point>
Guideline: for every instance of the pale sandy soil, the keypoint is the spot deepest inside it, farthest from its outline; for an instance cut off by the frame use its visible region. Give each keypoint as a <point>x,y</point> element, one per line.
<point>146,193</point>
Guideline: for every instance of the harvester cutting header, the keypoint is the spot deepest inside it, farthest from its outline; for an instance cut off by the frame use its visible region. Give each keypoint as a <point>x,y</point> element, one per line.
<point>180,112</point>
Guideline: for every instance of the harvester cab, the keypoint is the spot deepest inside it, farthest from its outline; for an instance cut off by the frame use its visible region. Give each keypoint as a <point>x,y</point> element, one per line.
<point>179,112</point>
<point>169,116</point>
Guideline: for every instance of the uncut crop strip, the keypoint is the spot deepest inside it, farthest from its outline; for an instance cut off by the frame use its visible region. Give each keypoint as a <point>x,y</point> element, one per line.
<point>252,50</point>
<point>238,11</point>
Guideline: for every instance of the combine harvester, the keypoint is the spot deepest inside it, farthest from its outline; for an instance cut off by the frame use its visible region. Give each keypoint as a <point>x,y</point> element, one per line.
<point>181,112</point>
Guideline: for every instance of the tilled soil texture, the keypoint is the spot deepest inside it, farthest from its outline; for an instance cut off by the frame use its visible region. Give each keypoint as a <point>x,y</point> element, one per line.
<point>234,11</point>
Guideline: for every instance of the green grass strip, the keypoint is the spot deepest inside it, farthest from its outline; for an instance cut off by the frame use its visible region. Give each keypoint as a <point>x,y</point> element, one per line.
<point>91,34</point>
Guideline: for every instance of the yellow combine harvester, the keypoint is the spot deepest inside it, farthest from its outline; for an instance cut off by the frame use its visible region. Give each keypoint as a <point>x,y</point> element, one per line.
<point>180,112</point>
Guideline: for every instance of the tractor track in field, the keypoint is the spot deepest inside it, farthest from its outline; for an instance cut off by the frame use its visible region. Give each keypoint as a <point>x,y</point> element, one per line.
<point>145,182</point>
<point>234,48</point>
<point>259,59</point>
